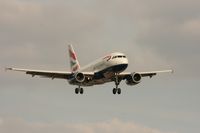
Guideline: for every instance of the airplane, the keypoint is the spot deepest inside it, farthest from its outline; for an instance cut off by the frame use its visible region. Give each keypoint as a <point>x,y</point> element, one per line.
<point>109,68</point>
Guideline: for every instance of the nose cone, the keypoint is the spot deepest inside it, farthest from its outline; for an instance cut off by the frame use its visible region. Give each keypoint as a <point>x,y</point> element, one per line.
<point>124,61</point>
<point>120,64</point>
<point>118,58</point>
<point>120,61</point>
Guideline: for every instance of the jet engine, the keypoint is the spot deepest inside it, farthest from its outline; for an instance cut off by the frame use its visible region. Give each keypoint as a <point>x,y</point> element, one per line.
<point>80,77</point>
<point>133,79</point>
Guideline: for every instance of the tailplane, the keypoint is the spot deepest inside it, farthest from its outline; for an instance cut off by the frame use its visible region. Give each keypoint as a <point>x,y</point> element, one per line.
<point>74,64</point>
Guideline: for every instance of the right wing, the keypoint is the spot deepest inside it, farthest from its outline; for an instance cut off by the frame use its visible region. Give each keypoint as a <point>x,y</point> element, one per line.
<point>44,73</point>
<point>49,74</point>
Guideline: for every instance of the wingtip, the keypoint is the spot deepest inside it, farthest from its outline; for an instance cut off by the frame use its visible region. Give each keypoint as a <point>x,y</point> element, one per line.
<point>172,71</point>
<point>8,68</point>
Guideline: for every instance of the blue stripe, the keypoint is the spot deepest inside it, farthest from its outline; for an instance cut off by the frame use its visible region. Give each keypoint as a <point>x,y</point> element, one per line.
<point>114,69</point>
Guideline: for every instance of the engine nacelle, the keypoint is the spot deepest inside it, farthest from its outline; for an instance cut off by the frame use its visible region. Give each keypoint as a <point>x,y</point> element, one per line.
<point>80,77</point>
<point>134,79</point>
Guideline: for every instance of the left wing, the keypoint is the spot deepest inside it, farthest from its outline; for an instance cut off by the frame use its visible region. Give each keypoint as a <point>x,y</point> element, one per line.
<point>144,74</point>
<point>153,73</point>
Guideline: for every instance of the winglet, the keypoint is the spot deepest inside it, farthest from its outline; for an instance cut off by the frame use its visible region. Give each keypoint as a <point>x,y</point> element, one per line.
<point>172,71</point>
<point>8,69</point>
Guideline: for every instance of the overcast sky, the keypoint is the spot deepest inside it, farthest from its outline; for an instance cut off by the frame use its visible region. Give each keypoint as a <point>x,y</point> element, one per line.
<point>154,35</point>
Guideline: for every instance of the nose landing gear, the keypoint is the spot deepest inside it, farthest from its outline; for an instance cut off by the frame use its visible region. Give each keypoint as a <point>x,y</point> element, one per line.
<point>117,82</point>
<point>116,90</point>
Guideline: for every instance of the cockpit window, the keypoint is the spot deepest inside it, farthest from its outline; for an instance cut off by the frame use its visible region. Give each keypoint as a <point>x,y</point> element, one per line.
<point>119,56</point>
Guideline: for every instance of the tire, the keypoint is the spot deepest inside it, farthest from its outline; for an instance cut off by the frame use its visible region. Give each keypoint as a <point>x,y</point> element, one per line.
<point>81,90</point>
<point>77,90</point>
<point>114,91</point>
<point>119,91</point>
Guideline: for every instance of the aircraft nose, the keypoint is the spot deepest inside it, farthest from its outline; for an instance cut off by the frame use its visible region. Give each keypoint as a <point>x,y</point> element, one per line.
<point>121,62</point>
<point>124,61</point>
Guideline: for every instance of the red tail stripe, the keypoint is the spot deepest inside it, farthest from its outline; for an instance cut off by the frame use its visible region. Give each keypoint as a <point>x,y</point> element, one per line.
<point>72,55</point>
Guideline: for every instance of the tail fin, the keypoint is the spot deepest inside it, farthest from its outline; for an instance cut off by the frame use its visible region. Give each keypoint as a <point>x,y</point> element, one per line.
<point>73,59</point>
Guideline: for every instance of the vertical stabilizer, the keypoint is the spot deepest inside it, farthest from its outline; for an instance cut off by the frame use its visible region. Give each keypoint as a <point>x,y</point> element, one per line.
<point>74,64</point>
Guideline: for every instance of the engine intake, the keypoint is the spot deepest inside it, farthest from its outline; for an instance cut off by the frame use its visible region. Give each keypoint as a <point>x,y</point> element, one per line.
<point>135,78</point>
<point>80,77</point>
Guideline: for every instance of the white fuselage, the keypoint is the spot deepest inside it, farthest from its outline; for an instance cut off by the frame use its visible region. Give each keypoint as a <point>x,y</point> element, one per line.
<point>106,62</point>
<point>105,68</point>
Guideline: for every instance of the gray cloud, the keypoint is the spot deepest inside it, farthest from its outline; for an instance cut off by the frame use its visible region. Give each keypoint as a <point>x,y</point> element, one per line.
<point>154,34</point>
<point>18,125</point>
<point>171,29</point>
<point>164,32</point>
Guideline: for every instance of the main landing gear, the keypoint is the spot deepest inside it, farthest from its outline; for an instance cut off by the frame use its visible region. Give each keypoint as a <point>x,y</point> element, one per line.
<point>116,90</point>
<point>79,90</point>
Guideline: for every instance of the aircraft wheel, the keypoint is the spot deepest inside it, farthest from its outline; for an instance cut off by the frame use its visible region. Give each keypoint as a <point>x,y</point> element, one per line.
<point>114,90</point>
<point>81,90</point>
<point>77,90</point>
<point>119,91</point>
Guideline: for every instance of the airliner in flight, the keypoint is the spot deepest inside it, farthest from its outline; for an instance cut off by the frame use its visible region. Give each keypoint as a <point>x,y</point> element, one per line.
<point>106,69</point>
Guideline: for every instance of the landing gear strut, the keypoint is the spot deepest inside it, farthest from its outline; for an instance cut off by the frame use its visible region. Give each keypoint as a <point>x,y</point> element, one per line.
<point>79,90</point>
<point>116,90</point>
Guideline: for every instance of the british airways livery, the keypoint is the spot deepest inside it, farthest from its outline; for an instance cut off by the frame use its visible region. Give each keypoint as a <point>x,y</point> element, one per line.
<point>106,69</point>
